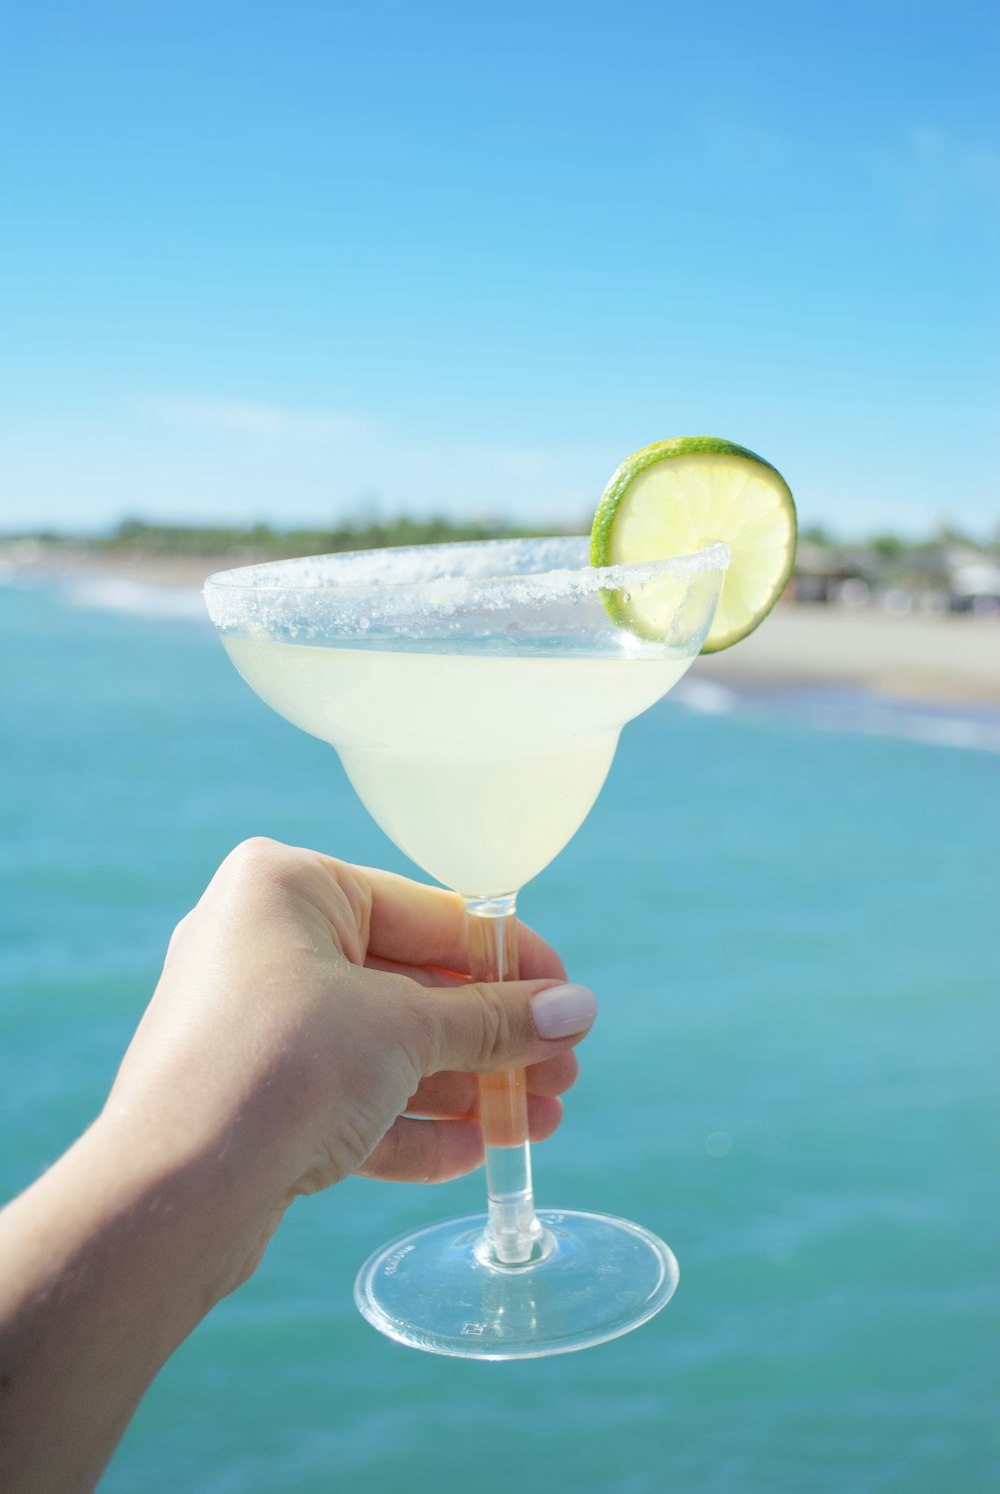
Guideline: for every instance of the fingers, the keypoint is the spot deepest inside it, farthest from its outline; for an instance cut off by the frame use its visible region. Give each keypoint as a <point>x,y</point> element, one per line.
<point>538,960</point>
<point>484,1028</point>
<point>554,1076</point>
<point>435,1151</point>
<point>424,975</point>
<point>417,925</point>
<point>451,1095</point>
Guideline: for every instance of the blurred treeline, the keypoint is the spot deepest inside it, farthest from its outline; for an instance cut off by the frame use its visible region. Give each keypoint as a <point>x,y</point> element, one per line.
<point>137,537</point>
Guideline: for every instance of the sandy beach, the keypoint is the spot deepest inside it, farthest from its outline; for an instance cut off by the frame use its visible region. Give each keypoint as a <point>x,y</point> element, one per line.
<point>931,657</point>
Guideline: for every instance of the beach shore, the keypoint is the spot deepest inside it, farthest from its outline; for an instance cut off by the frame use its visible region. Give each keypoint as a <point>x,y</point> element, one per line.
<point>946,658</point>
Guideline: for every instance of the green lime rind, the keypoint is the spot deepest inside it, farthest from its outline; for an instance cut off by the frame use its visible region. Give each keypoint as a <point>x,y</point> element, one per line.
<point>608,512</point>
<point>648,456</point>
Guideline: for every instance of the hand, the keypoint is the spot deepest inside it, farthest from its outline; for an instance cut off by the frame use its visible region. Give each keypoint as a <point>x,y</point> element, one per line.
<point>307,1015</point>
<point>309,1012</point>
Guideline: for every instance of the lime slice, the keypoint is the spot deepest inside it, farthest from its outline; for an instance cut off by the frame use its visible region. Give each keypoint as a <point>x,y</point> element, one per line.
<point>678,496</point>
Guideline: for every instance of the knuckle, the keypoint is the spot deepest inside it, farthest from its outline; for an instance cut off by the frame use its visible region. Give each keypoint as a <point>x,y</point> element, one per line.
<point>265,863</point>
<point>495,1034</point>
<point>406,1018</point>
<point>423,1036</point>
<point>177,937</point>
<point>350,906</point>
<point>356,888</point>
<point>255,852</point>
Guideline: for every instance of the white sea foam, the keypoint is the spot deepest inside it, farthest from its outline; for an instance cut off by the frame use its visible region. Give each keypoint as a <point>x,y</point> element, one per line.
<point>853,712</point>
<point>118,594</point>
<point>932,727</point>
<point>706,697</point>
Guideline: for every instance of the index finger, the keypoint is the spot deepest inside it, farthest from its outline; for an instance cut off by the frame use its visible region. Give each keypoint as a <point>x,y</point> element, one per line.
<point>413,924</point>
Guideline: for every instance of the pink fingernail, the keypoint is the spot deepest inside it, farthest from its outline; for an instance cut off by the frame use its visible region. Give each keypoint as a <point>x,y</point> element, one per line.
<point>562,1010</point>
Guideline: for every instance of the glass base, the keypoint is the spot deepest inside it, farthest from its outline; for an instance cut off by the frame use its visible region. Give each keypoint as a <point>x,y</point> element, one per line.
<point>437,1289</point>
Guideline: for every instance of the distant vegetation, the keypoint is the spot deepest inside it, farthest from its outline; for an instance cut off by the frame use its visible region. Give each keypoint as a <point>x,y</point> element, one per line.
<point>136,537</point>
<point>947,570</point>
<point>139,537</point>
<point>892,546</point>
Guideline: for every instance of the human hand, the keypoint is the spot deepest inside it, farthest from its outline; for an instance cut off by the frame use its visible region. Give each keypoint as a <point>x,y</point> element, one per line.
<point>313,1020</point>
<point>308,1013</point>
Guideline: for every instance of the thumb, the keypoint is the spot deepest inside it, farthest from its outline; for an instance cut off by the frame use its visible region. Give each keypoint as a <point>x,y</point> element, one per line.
<point>484,1027</point>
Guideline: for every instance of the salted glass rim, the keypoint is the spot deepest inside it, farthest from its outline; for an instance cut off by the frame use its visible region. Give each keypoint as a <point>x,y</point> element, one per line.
<point>572,572</point>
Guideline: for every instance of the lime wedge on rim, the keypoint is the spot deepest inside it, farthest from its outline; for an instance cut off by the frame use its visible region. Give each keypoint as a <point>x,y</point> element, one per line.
<point>678,496</point>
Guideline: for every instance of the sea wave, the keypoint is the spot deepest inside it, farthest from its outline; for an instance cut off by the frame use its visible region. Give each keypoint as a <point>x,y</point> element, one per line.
<point>706,697</point>
<point>967,727</point>
<point>119,594</point>
<point>934,726</point>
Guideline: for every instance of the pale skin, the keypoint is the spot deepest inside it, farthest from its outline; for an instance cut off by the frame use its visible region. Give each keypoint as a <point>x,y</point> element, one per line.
<point>312,1021</point>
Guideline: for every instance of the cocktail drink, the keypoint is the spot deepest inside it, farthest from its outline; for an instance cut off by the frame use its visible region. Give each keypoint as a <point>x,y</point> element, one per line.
<point>475,695</point>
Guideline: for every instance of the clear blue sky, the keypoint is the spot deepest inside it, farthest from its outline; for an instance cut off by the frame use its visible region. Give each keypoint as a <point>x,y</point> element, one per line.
<point>297,260</point>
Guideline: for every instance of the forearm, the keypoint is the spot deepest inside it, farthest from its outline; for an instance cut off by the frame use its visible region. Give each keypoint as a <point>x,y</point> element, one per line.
<point>300,1032</point>
<point>106,1264</point>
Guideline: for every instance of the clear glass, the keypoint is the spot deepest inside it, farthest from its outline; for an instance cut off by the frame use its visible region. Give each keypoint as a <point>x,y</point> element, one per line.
<point>475,694</point>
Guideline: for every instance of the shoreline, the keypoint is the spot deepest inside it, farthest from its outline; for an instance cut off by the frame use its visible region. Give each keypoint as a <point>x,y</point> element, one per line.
<point>941,659</point>
<point>938,658</point>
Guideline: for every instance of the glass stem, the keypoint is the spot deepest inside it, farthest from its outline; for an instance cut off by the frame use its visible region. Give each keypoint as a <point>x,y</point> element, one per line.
<point>513,1234</point>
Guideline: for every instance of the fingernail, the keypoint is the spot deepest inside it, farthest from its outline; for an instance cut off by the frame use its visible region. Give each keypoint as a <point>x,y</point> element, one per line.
<point>562,1010</point>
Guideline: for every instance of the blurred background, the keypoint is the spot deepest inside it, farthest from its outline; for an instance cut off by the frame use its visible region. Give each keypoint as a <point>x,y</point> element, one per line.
<point>300,278</point>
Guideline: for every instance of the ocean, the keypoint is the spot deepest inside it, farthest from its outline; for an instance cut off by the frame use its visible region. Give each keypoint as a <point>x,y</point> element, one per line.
<point>786,903</point>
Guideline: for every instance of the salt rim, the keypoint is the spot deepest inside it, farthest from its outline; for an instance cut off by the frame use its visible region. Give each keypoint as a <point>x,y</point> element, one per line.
<point>406,586</point>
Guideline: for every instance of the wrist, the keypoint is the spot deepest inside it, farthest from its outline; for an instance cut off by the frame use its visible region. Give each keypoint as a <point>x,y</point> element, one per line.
<point>198,1203</point>
<point>110,1260</point>
<point>239,1126</point>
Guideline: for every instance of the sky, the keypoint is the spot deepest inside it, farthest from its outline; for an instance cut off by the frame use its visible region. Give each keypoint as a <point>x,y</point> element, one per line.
<point>303,262</point>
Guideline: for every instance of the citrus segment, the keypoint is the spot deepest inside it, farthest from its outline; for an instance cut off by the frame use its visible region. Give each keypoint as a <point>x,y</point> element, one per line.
<point>678,496</point>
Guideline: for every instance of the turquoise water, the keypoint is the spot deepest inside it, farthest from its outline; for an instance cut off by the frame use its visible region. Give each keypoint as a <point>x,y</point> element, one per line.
<point>787,906</point>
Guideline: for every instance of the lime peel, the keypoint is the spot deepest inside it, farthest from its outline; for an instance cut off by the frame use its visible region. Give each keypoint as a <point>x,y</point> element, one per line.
<point>675,497</point>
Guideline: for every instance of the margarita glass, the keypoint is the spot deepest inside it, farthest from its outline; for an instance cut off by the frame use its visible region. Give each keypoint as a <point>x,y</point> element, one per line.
<point>475,694</point>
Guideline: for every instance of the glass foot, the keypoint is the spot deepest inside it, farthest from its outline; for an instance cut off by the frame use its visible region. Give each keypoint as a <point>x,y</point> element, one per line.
<point>436,1289</point>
